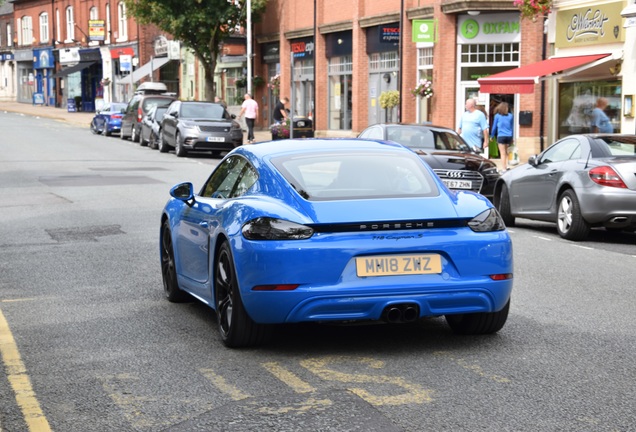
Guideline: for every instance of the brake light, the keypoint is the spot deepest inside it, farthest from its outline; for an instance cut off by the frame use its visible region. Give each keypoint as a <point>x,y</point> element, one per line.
<point>140,115</point>
<point>606,176</point>
<point>115,116</point>
<point>501,276</point>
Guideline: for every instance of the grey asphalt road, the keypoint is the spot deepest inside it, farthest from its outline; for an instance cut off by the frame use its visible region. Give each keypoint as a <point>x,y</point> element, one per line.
<point>81,295</point>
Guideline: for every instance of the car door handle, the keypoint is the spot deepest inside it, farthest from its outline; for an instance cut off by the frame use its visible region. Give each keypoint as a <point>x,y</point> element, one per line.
<point>204,224</point>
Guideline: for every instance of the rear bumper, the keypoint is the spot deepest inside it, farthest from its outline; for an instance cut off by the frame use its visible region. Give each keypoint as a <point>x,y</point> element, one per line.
<point>608,206</point>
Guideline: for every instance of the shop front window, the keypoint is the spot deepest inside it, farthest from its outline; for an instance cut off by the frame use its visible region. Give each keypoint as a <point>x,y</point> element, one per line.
<point>303,87</point>
<point>577,100</point>
<point>340,93</point>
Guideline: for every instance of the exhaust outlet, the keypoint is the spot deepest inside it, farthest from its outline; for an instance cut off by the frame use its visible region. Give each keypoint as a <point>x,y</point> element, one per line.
<point>401,313</point>
<point>394,315</point>
<point>411,314</point>
<point>618,219</point>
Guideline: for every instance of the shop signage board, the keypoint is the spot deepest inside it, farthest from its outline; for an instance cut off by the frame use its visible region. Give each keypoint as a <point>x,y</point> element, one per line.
<point>69,55</point>
<point>424,31</point>
<point>590,25</point>
<point>96,30</point>
<point>489,28</point>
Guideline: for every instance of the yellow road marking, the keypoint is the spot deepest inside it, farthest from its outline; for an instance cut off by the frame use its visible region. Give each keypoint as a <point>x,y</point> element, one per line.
<point>19,380</point>
<point>473,368</point>
<point>219,382</point>
<point>287,377</point>
<point>412,393</point>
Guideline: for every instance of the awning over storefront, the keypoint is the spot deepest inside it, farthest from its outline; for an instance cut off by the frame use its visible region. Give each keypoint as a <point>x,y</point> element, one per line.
<point>523,79</point>
<point>72,69</point>
<point>145,69</point>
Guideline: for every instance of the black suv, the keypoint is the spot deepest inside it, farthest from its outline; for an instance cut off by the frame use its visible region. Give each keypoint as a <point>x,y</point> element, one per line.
<point>148,94</point>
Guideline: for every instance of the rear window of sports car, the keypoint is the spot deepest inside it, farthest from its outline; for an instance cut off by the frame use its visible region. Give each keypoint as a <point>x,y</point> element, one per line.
<point>359,175</point>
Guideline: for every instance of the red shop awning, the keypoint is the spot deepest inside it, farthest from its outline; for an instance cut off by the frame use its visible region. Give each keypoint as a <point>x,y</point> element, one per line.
<point>119,51</point>
<point>523,79</point>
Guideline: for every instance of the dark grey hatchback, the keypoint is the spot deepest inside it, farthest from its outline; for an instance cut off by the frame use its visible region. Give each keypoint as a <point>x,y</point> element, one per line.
<point>199,126</point>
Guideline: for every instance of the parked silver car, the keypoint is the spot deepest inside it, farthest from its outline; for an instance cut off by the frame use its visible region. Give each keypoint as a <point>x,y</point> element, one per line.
<point>199,126</point>
<point>579,182</point>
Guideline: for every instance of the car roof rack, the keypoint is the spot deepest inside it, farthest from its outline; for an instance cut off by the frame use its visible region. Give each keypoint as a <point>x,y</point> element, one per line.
<point>151,88</point>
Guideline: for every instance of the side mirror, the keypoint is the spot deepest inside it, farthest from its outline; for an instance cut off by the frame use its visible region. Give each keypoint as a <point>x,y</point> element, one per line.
<point>233,116</point>
<point>476,149</point>
<point>533,160</point>
<point>183,192</point>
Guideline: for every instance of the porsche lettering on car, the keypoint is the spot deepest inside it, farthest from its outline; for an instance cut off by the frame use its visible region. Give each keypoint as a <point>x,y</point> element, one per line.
<point>334,231</point>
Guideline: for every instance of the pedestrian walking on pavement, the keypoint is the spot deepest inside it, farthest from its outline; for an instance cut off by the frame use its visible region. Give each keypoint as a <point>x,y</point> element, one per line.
<point>250,110</point>
<point>502,129</point>
<point>473,127</point>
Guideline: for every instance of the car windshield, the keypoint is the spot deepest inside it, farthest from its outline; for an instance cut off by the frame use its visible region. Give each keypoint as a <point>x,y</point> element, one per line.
<point>117,107</point>
<point>346,175</point>
<point>206,111</point>
<point>418,137</point>
<point>159,112</point>
<point>619,146</point>
<point>150,102</point>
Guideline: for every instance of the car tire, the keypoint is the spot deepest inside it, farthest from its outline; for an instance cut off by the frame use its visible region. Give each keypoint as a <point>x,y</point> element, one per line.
<point>236,328</point>
<point>478,323</point>
<point>570,223</point>
<point>152,141</point>
<point>142,142</point>
<point>503,205</point>
<point>122,136</point>
<point>134,135</point>
<point>107,132</point>
<point>163,147</point>
<point>94,129</point>
<point>168,269</point>
<point>178,149</point>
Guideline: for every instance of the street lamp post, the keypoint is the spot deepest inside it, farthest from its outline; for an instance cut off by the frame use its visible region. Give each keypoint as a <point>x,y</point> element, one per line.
<point>249,46</point>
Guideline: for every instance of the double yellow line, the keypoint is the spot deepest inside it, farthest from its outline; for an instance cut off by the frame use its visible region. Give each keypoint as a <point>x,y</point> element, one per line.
<point>19,380</point>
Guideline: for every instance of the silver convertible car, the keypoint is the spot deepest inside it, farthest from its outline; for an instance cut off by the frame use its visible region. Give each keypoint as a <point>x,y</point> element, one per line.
<point>579,182</point>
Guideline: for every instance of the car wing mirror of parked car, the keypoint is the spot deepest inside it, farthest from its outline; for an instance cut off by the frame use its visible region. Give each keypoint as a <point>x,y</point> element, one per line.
<point>533,160</point>
<point>476,149</point>
<point>183,192</point>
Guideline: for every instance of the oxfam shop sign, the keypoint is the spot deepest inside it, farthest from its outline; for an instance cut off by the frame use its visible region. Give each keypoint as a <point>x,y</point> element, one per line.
<point>488,28</point>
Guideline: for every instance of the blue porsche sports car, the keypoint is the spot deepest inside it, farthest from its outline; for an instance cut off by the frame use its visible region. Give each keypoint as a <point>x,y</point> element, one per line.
<point>340,230</point>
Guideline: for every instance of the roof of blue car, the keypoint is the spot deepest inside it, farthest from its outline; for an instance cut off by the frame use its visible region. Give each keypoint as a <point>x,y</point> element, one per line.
<point>272,148</point>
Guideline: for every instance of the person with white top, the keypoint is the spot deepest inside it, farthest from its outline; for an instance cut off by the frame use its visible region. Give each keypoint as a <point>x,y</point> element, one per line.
<point>250,110</point>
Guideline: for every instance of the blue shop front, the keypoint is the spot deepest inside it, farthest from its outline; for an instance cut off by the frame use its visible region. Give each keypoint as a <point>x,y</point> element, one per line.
<point>44,65</point>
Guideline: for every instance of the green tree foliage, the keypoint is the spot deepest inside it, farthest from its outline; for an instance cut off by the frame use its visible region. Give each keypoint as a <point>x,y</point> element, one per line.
<point>201,25</point>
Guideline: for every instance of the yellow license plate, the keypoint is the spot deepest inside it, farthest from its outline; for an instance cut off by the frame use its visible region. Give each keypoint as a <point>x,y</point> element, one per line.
<point>392,265</point>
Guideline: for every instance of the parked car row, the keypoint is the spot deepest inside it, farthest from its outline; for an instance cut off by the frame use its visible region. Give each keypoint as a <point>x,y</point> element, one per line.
<point>158,119</point>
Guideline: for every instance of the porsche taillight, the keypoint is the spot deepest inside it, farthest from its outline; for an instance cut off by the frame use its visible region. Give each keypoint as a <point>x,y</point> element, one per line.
<point>115,116</point>
<point>606,176</point>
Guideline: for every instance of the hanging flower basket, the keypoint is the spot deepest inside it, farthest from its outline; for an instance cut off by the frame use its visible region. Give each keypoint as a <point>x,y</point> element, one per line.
<point>532,9</point>
<point>274,85</point>
<point>423,89</point>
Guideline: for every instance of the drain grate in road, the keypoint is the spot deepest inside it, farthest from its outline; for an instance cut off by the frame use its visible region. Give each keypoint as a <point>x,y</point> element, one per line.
<point>88,233</point>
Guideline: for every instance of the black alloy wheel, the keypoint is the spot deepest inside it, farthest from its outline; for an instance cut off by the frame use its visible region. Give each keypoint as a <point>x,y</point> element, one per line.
<point>235,326</point>
<point>168,268</point>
